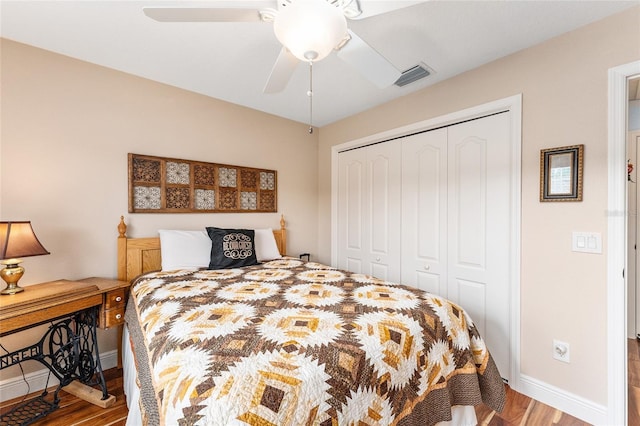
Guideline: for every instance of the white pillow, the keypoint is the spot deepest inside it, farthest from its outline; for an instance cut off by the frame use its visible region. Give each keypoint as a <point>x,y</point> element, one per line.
<point>184,249</point>
<point>192,249</point>
<point>265,243</point>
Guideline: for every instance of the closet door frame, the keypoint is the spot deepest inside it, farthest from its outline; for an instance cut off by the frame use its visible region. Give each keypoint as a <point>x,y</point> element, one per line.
<point>513,104</point>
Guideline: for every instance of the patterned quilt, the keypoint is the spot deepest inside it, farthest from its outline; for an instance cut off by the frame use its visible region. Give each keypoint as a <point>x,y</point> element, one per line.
<point>294,343</point>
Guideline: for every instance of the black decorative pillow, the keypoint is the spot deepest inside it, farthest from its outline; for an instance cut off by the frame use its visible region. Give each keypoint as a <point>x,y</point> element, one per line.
<point>231,248</point>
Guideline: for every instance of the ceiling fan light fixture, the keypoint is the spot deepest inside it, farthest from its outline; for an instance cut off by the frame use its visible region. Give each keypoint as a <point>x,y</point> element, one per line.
<point>310,29</point>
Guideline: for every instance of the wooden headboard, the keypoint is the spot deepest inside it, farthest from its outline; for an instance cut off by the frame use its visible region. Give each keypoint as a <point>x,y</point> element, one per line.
<point>137,256</point>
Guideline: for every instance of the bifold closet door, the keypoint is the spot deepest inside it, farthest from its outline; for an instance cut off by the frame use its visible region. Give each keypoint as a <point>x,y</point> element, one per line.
<point>424,211</point>
<point>479,222</point>
<point>369,210</point>
<point>433,210</point>
<point>456,221</point>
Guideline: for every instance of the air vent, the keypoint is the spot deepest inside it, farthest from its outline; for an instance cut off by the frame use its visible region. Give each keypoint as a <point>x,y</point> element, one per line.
<point>412,74</point>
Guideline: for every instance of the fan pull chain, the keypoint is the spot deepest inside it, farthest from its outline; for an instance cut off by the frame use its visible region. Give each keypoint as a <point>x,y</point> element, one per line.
<point>310,95</point>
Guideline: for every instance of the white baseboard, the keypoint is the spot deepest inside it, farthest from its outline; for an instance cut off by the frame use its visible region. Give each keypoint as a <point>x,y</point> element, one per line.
<point>16,387</point>
<point>562,400</point>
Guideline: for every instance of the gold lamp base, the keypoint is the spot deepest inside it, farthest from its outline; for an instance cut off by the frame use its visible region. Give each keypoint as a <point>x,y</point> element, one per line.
<point>11,274</point>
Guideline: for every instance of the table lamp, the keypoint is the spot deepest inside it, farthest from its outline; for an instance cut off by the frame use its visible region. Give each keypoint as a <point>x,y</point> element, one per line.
<point>17,240</point>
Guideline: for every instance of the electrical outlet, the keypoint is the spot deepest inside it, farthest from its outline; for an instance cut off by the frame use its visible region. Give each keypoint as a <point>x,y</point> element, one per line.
<point>561,351</point>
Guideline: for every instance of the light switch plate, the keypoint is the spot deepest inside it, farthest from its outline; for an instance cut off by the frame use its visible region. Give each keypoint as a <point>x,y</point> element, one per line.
<point>587,242</point>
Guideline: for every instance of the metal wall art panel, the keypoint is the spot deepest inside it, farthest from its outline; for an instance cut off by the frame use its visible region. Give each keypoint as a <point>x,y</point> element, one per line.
<point>170,185</point>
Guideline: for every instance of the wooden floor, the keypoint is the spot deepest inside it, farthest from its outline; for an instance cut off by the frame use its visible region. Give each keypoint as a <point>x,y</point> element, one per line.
<point>74,411</point>
<point>519,410</point>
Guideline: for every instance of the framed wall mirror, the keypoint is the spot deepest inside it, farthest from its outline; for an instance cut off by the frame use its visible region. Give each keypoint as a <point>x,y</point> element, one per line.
<point>561,173</point>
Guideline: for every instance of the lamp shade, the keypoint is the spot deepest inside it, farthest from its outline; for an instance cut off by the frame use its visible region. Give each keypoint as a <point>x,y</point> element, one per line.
<point>310,29</point>
<point>17,239</point>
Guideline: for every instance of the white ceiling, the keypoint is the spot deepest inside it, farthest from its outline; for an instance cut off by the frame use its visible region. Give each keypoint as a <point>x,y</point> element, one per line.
<point>232,61</point>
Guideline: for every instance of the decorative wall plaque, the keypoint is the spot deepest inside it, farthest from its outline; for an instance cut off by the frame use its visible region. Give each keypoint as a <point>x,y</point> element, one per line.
<point>169,185</point>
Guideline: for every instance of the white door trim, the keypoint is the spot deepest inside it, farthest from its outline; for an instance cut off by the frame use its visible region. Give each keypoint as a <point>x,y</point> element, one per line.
<point>512,104</point>
<point>616,250</point>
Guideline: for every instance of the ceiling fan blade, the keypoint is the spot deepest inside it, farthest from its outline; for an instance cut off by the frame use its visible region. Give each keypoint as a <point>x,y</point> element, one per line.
<point>378,7</point>
<point>197,14</point>
<point>281,72</point>
<point>372,65</point>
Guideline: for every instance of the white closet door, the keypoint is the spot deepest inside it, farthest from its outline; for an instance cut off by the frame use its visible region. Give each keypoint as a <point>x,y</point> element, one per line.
<point>442,198</point>
<point>369,211</point>
<point>479,182</point>
<point>384,180</point>
<point>351,203</point>
<point>424,211</point>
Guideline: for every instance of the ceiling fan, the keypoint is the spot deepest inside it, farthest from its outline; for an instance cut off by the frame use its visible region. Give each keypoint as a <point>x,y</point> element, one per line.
<point>309,30</point>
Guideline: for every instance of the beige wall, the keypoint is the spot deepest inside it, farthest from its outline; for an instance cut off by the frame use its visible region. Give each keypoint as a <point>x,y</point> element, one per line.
<point>564,87</point>
<point>67,127</point>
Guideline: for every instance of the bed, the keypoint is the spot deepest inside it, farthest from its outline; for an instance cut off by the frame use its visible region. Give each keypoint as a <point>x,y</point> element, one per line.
<point>292,342</point>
